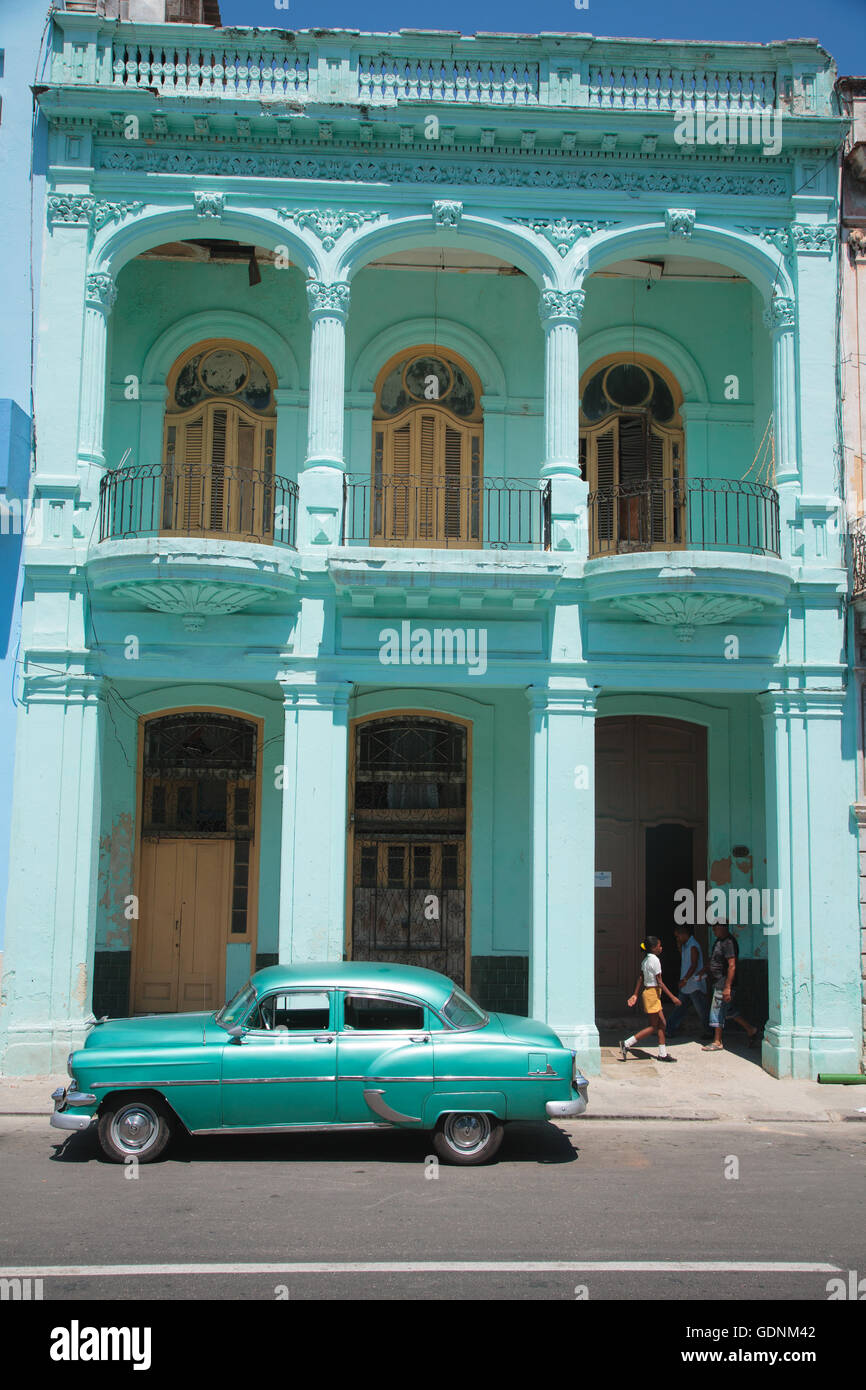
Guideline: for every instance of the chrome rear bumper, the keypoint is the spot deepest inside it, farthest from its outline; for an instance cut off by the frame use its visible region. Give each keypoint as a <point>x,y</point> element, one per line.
<point>570,1109</point>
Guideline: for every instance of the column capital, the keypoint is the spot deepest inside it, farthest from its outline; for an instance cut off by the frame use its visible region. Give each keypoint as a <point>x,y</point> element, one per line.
<point>328,300</point>
<point>801,704</point>
<point>100,291</point>
<point>561,306</point>
<point>780,312</point>
<point>573,700</point>
<point>324,695</point>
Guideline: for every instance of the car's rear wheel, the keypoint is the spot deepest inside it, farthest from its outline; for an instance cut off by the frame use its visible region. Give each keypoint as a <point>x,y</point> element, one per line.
<point>134,1127</point>
<point>466,1137</point>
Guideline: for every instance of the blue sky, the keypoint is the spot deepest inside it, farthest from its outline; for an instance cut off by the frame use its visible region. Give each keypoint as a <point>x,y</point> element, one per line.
<point>840,25</point>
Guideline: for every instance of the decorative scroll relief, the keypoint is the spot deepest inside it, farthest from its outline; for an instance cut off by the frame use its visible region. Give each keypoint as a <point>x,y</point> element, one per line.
<point>798,238</point>
<point>328,299</point>
<point>685,612</point>
<point>780,312</point>
<point>328,224</point>
<point>388,170</point>
<point>195,599</point>
<point>101,290</point>
<point>447,213</point>
<point>103,213</point>
<point>209,204</point>
<point>80,209</point>
<point>680,222</point>
<point>562,233</point>
<point>561,306</point>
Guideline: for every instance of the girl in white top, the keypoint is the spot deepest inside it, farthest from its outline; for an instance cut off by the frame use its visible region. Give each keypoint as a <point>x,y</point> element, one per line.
<point>653,985</point>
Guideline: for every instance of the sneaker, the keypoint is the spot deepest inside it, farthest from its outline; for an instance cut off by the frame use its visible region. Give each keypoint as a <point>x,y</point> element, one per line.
<point>624,1050</point>
<point>667,1058</point>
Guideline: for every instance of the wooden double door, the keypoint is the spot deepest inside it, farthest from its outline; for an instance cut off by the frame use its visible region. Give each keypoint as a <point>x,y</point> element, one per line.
<point>650,837</point>
<point>185,912</point>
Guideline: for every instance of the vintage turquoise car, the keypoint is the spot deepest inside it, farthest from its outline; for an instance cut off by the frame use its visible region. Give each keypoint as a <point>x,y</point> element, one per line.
<point>338,1045</point>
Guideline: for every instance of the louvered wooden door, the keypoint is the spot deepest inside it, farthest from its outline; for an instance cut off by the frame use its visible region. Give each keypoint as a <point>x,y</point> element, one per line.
<point>426,483</point>
<point>219,467</point>
<point>635,473</point>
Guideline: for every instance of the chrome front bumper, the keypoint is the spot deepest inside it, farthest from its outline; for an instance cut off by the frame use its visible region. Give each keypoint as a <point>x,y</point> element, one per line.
<point>570,1109</point>
<point>62,1119</point>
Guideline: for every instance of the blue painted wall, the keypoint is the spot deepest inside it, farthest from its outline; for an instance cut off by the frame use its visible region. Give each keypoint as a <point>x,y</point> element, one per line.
<point>20,41</point>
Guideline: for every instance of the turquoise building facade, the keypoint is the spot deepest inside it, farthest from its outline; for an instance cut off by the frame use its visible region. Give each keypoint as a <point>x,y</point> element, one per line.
<point>375,355</point>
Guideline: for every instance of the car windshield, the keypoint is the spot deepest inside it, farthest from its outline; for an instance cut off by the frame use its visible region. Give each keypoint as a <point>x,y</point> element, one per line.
<point>237,1009</point>
<point>463,1012</point>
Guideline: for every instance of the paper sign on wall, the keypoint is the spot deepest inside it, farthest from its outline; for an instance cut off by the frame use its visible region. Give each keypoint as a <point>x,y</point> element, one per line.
<point>602,878</point>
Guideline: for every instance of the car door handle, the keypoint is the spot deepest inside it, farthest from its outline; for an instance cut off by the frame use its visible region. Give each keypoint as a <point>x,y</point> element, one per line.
<point>324,1038</point>
<point>420,1038</point>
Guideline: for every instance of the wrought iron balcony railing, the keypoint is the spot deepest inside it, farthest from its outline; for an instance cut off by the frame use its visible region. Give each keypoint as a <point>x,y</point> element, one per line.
<point>173,499</point>
<point>493,513</point>
<point>689,514</point>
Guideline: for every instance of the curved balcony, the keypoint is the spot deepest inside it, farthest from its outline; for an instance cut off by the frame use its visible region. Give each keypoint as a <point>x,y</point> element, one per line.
<point>857,545</point>
<point>687,514</point>
<point>220,502</point>
<point>490,513</point>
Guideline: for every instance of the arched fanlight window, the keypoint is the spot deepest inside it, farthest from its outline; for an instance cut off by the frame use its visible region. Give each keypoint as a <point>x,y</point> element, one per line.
<point>220,432</point>
<point>426,484</point>
<point>632,454</point>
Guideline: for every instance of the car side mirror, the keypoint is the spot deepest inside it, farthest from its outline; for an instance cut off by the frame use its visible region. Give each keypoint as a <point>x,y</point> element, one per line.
<point>236,1031</point>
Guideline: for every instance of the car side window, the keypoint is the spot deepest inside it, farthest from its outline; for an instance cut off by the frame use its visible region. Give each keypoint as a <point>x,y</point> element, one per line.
<point>367,1013</point>
<point>295,1011</point>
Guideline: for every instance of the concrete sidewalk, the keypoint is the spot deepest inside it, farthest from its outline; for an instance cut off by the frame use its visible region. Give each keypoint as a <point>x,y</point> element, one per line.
<point>729,1085</point>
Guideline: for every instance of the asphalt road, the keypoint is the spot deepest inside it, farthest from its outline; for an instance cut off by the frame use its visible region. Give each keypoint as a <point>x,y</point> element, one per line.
<point>311,1213</point>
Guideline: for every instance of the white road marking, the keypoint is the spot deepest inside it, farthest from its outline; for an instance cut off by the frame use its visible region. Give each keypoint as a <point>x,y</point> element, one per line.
<point>428,1267</point>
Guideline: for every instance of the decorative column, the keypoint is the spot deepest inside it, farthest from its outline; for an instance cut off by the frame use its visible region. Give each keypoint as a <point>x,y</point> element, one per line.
<point>562,781</point>
<point>313,857</point>
<point>100,294</point>
<point>51,905</point>
<point>561,312</point>
<point>779,318</point>
<point>321,483</point>
<point>813,942</point>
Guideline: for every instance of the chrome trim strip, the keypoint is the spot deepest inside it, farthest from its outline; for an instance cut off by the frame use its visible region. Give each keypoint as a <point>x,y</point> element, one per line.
<point>525,1076</point>
<point>391,1080</point>
<point>379,1106</point>
<point>273,1080</point>
<point>149,1083</point>
<point>289,1129</point>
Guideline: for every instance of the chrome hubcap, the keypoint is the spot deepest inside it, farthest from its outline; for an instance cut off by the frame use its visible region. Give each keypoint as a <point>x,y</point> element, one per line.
<point>134,1128</point>
<point>467,1133</point>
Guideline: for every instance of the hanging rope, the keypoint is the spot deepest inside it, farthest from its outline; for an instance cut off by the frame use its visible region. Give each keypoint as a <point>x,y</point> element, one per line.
<point>765,459</point>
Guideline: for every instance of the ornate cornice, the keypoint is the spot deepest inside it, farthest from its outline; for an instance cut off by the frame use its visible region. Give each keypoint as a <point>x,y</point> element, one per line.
<point>330,299</point>
<point>685,612</point>
<point>360,168</point>
<point>561,306</point>
<point>561,232</point>
<point>328,224</point>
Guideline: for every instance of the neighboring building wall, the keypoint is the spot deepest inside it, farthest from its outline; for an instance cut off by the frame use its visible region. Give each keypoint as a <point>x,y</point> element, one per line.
<point>23,28</point>
<point>853,383</point>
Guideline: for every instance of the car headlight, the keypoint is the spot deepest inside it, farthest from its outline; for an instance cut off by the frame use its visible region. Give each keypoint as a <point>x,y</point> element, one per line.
<point>69,1071</point>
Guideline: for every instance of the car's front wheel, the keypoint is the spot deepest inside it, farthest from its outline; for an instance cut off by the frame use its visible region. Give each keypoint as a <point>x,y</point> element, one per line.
<point>467,1137</point>
<point>134,1128</point>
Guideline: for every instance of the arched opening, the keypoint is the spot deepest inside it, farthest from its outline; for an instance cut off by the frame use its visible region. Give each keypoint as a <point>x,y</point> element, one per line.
<point>197,861</point>
<point>633,455</point>
<point>410,802</point>
<point>426,479</point>
<point>220,434</point>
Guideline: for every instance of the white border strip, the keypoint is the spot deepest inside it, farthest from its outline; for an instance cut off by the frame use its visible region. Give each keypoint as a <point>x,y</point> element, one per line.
<point>427,1267</point>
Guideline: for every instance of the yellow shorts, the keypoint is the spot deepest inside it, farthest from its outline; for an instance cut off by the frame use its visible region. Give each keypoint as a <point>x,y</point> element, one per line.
<point>652,1000</point>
